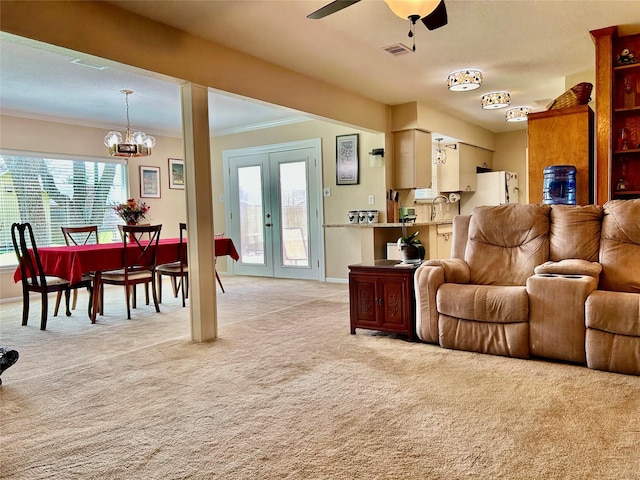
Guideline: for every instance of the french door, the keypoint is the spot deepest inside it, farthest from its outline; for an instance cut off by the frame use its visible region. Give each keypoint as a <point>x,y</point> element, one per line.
<point>273,199</point>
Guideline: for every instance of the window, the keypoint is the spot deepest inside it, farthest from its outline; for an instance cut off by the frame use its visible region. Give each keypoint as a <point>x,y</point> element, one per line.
<point>51,191</point>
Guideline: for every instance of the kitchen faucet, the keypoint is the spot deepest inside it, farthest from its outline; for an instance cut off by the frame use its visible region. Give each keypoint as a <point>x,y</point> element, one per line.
<point>433,205</point>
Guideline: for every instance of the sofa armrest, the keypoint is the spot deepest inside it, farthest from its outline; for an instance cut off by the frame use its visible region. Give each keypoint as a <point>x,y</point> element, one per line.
<point>455,269</point>
<point>571,266</point>
<point>427,280</point>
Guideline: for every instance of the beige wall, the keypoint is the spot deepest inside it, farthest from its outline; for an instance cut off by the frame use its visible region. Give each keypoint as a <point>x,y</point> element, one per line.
<point>169,210</point>
<point>342,245</point>
<point>510,155</point>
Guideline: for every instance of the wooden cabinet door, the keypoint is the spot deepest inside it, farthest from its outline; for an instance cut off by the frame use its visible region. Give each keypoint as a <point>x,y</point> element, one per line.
<point>393,308</point>
<point>412,159</point>
<point>458,174</point>
<point>362,300</point>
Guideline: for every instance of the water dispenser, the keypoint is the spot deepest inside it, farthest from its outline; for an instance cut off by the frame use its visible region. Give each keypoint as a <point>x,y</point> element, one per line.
<point>559,185</point>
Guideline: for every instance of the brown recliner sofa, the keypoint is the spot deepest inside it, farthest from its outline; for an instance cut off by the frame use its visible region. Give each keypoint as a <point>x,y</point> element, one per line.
<point>525,280</point>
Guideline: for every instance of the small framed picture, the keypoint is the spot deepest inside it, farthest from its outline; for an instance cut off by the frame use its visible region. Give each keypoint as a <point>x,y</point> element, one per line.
<point>347,159</point>
<point>176,174</point>
<point>149,182</point>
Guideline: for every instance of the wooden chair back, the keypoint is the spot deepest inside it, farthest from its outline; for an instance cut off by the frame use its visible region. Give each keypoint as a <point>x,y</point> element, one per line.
<point>87,235</point>
<point>182,247</point>
<point>29,262</point>
<point>139,253</point>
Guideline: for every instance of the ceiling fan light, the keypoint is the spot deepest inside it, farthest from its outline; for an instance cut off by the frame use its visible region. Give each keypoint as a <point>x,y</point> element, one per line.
<point>406,8</point>
<point>494,100</point>
<point>517,114</point>
<point>464,80</point>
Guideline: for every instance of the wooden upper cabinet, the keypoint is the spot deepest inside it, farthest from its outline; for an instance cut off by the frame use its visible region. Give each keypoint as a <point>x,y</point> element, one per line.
<point>412,159</point>
<point>561,137</point>
<point>617,111</point>
<point>458,173</point>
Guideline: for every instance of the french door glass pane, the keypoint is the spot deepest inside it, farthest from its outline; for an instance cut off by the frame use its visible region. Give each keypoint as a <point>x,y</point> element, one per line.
<point>251,215</point>
<point>294,214</point>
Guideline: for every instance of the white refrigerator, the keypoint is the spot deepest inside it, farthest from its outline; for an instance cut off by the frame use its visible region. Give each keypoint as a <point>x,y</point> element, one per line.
<point>492,188</point>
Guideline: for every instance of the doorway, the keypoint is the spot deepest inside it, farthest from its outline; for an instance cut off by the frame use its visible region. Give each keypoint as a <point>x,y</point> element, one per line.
<point>273,194</point>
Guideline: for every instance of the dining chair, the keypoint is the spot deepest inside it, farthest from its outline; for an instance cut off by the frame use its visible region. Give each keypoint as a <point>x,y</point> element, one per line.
<point>215,261</point>
<point>87,235</point>
<point>34,278</point>
<point>177,271</point>
<point>140,247</point>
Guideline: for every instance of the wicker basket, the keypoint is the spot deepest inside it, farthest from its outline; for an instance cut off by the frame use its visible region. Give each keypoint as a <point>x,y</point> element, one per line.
<point>579,94</point>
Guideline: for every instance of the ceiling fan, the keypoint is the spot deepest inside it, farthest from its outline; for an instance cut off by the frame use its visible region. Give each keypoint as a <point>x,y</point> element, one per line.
<point>433,13</point>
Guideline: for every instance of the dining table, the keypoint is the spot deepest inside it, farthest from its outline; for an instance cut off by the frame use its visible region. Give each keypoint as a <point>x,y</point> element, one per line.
<point>71,262</point>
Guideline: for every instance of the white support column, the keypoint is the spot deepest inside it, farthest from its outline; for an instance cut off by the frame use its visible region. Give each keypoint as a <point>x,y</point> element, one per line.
<point>199,194</point>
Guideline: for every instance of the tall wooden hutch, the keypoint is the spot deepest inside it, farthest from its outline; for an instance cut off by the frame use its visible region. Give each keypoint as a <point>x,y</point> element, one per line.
<point>617,115</point>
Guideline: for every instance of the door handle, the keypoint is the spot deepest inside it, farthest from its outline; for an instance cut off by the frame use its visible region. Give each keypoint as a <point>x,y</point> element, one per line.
<point>268,224</point>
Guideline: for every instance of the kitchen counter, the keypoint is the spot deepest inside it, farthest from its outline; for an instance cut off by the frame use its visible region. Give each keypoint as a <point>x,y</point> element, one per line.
<point>374,237</point>
<point>387,225</point>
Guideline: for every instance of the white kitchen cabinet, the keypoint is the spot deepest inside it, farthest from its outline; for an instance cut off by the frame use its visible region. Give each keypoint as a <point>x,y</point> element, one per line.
<point>412,159</point>
<point>458,174</point>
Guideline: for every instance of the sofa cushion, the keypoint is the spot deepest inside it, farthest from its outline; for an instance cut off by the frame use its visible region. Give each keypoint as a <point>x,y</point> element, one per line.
<point>620,246</point>
<point>483,303</point>
<point>571,266</point>
<point>506,242</point>
<point>507,339</point>
<point>613,312</point>
<point>575,232</point>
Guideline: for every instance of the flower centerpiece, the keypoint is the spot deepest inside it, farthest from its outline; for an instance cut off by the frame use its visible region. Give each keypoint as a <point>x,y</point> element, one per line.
<point>132,211</point>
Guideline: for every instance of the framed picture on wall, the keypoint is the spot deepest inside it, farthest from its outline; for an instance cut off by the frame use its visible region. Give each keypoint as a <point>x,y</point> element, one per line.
<point>149,182</point>
<point>176,173</point>
<point>347,160</point>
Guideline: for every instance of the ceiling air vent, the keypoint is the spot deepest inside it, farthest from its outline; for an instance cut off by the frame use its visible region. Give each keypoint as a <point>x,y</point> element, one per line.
<point>84,63</point>
<point>397,49</point>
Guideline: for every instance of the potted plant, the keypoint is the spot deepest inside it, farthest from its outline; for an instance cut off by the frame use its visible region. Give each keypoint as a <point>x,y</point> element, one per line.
<point>411,247</point>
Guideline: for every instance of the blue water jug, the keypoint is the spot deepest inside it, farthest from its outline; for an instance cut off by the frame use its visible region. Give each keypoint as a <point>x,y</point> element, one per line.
<point>559,185</point>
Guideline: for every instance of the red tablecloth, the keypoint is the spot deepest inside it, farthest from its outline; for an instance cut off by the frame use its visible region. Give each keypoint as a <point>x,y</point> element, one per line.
<point>70,262</point>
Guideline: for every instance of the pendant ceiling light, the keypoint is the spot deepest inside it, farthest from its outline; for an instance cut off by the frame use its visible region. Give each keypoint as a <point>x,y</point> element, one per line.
<point>439,155</point>
<point>134,144</point>
<point>517,114</point>
<point>495,100</point>
<point>463,80</point>
<point>413,10</point>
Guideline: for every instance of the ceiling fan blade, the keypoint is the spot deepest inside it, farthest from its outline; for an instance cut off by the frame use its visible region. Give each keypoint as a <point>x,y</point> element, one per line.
<point>330,8</point>
<point>437,18</point>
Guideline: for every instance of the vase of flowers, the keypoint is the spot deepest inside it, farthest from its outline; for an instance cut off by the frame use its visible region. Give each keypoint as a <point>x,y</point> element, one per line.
<point>132,211</point>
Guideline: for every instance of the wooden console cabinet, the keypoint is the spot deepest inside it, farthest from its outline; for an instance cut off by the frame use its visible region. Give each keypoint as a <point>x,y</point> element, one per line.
<point>381,297</point>
<point>561,137</point>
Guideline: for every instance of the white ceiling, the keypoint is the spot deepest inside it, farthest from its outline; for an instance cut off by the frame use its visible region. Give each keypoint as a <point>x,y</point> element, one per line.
<point>527,47</point>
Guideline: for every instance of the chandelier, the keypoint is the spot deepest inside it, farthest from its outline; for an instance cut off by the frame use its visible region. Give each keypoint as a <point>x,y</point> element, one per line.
<point>463,80</point>
<point>517,114</point>
<point>494,100</point>
<point>439,155</point>
<point>134,144</point>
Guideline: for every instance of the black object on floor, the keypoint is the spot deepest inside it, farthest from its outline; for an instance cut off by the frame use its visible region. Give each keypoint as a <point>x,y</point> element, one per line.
<point>7,358</point>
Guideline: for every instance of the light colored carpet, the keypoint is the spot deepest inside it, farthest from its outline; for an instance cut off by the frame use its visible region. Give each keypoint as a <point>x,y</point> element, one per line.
<point>287,393</point>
